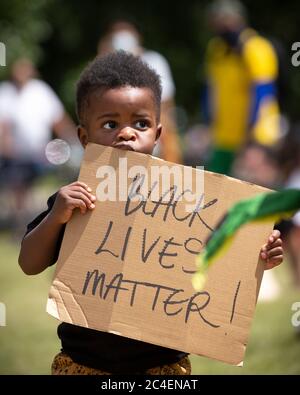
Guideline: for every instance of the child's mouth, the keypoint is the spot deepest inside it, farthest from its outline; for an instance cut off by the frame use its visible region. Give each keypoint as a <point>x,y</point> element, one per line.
<point>124,147</point>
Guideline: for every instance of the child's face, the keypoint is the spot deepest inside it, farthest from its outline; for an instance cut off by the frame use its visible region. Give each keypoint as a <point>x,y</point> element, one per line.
<point>124,118</point>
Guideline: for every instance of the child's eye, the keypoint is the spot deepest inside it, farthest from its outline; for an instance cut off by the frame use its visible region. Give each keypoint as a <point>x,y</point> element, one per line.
<point>110,125</point>
<point>142,124</point>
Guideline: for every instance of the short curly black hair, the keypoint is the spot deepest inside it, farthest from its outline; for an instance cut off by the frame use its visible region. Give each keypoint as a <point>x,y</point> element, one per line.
<point>116,70</point>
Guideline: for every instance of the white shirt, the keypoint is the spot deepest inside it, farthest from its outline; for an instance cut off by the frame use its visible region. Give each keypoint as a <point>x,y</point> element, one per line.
<point>31,113</point>
<point>161,66</point>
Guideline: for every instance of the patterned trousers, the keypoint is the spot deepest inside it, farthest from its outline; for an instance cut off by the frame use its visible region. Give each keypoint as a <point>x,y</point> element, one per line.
<point>64,365</point>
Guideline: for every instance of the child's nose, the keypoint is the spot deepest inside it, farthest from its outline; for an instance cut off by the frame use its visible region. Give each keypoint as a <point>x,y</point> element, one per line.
<point>127,134</point>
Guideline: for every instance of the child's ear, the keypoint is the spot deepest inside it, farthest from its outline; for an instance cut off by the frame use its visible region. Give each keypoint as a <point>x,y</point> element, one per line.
<point>158,133</point>
<point>82,135</point>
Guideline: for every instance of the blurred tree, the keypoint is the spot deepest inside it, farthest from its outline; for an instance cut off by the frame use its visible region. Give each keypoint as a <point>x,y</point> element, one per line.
<point>23,27</point>
<point>62,36</point>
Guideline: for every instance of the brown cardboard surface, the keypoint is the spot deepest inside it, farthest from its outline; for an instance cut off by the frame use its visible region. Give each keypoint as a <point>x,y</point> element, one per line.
<point>131,274</point>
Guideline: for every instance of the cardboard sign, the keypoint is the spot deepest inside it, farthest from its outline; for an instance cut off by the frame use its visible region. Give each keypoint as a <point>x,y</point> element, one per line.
<point>126,266</point>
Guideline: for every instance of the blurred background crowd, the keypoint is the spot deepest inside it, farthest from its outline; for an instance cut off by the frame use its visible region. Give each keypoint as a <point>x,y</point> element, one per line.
<point>230,99</point>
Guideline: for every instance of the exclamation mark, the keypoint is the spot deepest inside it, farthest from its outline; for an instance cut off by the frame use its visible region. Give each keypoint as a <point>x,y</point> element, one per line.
<point>234,301</point>
<point>2,314</point>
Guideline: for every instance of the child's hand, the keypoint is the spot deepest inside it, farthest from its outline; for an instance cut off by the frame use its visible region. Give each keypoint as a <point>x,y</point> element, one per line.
<point>69,197</point>
<point>272,252</point>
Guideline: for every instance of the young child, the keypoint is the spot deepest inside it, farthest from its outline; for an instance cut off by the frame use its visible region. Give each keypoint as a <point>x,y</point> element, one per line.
<point>118,105</point>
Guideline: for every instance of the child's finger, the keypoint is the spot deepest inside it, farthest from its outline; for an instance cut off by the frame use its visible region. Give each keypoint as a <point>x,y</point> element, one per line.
<point>84,185</point>
<point>84,191</point>
<point>276,243</point>
<point>78,203</point>
<point>264,247</point>
<point>264,255</point>
<point>83,197</point>
<point>274,236</point>
<point>274,252</point>
<point>274,262</point>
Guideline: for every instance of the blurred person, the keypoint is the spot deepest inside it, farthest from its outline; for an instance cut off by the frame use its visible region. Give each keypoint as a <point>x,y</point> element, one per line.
<point>257,164</point>
<point>29,112</point>
<point>239,99</point>
<point>289,156</point>
<point>197,142</point>
<point>123,35</point>
<point>290,230</point>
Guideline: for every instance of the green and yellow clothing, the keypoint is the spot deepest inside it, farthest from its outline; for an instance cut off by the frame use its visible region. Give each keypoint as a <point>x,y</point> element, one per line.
<point>240,99</point>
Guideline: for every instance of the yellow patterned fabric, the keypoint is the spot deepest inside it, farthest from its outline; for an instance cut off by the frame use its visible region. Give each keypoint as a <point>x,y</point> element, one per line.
<point>64,365</point>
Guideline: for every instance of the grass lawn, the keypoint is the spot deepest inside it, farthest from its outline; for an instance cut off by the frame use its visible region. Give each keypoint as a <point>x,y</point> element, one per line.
<point>28,342</point>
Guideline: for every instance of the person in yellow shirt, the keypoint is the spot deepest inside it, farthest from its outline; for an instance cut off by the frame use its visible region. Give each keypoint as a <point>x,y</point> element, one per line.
<point>239,99</point>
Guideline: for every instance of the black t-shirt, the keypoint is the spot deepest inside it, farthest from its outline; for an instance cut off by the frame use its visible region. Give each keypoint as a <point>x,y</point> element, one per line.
<point>102,350</point>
